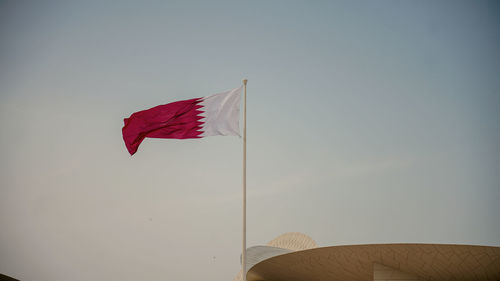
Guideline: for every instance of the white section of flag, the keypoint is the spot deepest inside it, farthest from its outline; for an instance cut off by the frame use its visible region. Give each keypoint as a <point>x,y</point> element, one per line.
<point>221,114</point>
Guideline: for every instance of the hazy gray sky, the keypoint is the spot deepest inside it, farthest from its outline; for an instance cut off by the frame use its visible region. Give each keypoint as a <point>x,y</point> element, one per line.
<point>368,122</point>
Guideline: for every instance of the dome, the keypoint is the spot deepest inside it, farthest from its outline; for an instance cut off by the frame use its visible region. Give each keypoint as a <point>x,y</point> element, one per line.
<point>294,241</point>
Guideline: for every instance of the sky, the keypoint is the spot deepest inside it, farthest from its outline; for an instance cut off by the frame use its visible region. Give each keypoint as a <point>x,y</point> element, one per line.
<point>368,122</point>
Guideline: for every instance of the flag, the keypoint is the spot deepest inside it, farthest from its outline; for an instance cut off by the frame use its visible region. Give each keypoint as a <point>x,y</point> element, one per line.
<point>194,118</point>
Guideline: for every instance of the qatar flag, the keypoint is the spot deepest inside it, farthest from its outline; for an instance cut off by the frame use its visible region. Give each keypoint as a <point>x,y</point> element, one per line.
<point>194,118</point>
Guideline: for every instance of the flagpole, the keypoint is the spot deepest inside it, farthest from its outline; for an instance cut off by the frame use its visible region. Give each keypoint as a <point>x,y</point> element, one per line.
<point>244,252</point>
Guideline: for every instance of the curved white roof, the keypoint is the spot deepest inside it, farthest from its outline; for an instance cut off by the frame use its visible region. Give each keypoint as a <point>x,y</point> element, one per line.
<point>283,244</point>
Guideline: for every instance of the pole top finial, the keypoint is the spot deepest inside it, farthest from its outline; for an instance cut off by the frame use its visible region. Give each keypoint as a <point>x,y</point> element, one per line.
<point>245,82</point>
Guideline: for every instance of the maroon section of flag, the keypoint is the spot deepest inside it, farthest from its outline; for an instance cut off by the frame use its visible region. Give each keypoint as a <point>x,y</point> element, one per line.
<point>176,120</point>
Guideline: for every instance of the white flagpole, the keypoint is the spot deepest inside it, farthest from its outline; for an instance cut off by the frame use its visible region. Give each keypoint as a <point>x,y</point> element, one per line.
<point>244,252</point>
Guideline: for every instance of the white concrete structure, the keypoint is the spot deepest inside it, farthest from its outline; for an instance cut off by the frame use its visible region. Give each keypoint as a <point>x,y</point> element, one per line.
<point>301,260</point>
